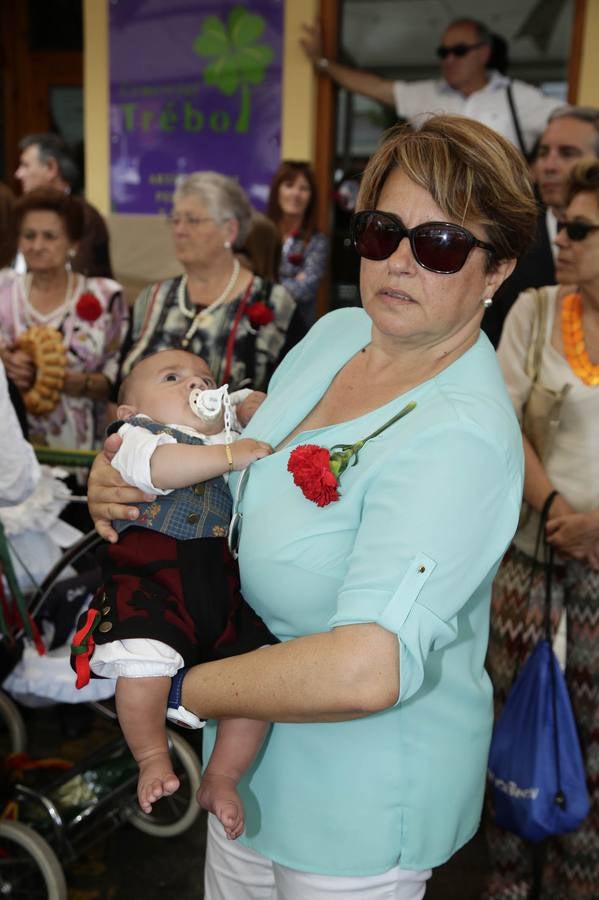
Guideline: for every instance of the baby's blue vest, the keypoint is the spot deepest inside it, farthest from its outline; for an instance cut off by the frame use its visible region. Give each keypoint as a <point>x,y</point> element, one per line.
<point>202,510</point>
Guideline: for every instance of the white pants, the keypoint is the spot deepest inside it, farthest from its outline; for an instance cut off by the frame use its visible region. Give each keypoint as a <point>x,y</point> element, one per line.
<point>233,872</point>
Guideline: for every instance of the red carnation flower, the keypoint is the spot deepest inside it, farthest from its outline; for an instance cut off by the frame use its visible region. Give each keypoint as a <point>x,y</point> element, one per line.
<point>296,259</point>
<point>88,307</point>
<point>316,470</point>
<point>309,465</point>
<point>259,313</point>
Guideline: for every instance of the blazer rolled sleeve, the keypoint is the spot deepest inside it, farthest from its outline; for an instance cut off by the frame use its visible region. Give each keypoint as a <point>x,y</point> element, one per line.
<point>423,548</point>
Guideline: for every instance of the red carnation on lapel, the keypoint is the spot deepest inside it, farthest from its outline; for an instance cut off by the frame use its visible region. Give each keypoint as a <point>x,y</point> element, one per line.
<point>317,470</point>
<point>259,313</point>
<point>310,466</point>
<point>88,307</point>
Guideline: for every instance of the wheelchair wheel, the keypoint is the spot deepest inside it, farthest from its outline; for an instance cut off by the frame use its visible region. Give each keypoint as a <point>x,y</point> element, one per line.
<point>175,814</point>
<point>29,868</point>
<point>13,735</point>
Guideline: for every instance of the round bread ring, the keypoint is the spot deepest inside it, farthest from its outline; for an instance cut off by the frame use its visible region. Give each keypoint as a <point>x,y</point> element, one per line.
<point>44,345</point>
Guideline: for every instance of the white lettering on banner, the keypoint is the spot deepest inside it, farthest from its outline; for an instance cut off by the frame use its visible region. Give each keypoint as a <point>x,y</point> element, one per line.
<point>512,790</point>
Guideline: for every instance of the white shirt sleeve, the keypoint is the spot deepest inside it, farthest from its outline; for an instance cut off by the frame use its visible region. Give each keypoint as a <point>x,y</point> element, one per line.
<point>133,457</point>
<point>19,468</point>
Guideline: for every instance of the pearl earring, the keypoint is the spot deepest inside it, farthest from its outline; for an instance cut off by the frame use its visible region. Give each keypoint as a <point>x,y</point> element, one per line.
<point>227,245</point>
<point>487,302</point>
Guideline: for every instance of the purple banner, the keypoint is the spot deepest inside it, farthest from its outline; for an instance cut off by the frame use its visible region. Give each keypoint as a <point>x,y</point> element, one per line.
<point>193,85</point>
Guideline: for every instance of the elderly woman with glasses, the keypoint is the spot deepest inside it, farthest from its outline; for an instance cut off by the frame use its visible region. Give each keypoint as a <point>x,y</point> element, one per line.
<point>562,475</point>
<point>239,323</point>
<point>369,539</point>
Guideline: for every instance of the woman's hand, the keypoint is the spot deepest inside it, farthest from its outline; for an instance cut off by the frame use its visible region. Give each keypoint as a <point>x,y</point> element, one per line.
<point>559,507</point>
<point>311,40</point>
<point>108,496</point>
<point>574,534</point>
<point>74,384</point>
<point>20,367</point>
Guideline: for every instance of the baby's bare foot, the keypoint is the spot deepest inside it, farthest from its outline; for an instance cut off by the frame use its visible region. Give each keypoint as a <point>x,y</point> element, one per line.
<point>156,780</point>
<point>218,795</point>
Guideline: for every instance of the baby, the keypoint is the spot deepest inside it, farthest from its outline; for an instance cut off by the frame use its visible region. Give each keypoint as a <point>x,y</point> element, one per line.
<point>170,596</point>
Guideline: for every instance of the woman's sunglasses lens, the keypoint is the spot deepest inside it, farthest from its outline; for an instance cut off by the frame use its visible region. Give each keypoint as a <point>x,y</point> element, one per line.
<point>441,250</point>
<point>376,238</point>
<point>577,231</point>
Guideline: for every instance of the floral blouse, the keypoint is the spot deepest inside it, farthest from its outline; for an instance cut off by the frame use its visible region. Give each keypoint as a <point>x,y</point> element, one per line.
<point>241,341</point>
<point>309,259</point>
<point>94,321</point>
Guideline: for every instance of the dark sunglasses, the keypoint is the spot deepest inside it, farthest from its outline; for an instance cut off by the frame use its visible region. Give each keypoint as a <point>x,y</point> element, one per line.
<point>437,246</point>
<point>458,49</point>
<point>577,231</point>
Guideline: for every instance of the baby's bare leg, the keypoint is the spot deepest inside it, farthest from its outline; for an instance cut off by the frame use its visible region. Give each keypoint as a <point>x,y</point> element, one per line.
<point>237,742</point>
<point>141,708</point>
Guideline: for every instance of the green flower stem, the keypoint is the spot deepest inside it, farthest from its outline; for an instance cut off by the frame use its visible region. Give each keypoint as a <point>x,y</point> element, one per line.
<point>403,412</point>
<point>341,454</point>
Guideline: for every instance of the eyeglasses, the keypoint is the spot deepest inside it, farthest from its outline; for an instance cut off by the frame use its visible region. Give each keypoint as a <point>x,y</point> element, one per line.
<point>458,49</point>
<point>234,535</point>
<point>440,247</point>
<point>189,221</point>
<point>577,231</point>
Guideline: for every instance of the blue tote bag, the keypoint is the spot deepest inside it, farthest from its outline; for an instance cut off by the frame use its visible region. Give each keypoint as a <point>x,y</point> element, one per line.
<point>536,768</point>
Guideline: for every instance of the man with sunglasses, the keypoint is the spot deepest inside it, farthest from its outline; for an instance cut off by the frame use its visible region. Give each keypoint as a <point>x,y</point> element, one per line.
<point>469,85</point>
<point>572,133</point>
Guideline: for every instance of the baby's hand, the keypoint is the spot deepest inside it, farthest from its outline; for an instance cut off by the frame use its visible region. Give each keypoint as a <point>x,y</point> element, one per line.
<point>246,451</point>
<point>246,409</point>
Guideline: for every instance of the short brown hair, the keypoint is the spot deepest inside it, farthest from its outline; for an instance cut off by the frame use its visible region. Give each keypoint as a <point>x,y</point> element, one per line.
<point>289,170</point>
<point>584,177</point>
<point>471,172</point>
<point>48,199</point>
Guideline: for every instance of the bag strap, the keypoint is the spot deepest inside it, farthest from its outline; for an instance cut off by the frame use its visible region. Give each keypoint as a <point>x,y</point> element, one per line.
<point>534,357</point>
<point>516,120</point>
<point>559,797</point>
<point>548,561</point>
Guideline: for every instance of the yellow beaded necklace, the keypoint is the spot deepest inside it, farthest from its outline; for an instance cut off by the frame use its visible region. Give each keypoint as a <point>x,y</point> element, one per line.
<point>573,338</point>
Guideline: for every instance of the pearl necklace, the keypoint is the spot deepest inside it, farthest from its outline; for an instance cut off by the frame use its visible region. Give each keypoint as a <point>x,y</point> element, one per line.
<point>181,290</point>
<point>195,324</point>
<point>27,285</point>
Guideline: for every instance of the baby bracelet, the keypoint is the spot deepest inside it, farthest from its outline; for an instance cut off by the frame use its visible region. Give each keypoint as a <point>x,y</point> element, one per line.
<point>229,456</point>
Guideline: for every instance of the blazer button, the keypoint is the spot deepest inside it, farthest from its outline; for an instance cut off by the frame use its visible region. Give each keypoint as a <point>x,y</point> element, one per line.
<point>105,610</point>
<point>105,626</point>
<point>193,519</point>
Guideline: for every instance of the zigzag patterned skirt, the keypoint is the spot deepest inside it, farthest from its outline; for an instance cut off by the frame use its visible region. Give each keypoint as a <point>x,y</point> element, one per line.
<point>570,864</point>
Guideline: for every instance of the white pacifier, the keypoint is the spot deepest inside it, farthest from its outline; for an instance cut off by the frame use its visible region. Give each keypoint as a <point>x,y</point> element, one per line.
<point>207,406</point>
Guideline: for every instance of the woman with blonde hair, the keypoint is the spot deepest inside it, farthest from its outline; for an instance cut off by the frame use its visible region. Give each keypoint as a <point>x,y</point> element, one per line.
<point>369,539</point>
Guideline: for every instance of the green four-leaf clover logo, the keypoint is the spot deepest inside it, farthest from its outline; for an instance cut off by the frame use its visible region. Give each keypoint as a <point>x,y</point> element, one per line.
<point>239,61</point>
